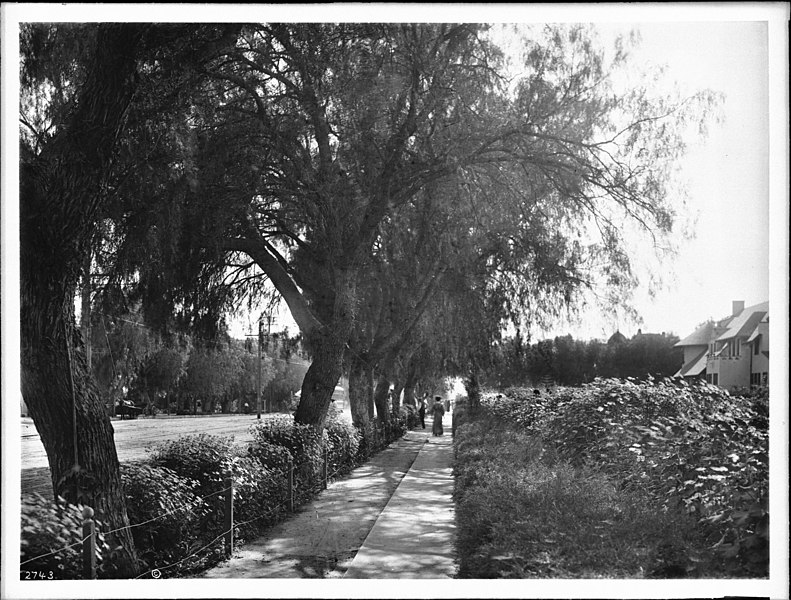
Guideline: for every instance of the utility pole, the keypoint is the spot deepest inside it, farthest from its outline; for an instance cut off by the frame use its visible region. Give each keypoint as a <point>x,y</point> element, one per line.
<point>269,320</point>
<point>258,379</point>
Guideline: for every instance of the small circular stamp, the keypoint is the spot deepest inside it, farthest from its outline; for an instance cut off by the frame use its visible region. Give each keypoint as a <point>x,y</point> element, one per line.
<point>156,574</point>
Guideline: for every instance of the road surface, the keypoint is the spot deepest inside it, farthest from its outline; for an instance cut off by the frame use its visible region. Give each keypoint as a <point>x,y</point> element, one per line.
<point>132,438</point>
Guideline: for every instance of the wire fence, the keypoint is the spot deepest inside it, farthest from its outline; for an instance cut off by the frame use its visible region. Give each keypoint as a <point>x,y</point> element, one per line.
<point>298,488</point>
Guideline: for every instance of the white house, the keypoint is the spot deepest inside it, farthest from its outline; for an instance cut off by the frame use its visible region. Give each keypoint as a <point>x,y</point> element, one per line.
<point>732,352</point>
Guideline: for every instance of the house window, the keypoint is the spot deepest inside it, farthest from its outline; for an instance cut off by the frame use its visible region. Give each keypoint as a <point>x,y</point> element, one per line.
<point>765,378</point>
<point>737,347</point>
<point>756,345</point>
<point>715,378</point>
<point>708,377</point>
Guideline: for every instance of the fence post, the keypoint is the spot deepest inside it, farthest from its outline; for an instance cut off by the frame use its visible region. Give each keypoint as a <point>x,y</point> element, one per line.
<point>228,515</point>
<point>324,474</point>
<point>88,544</point>
<point>290,484</point>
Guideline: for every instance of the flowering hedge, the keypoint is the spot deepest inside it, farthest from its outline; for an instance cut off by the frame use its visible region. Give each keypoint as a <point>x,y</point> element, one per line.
<point>694,446</point>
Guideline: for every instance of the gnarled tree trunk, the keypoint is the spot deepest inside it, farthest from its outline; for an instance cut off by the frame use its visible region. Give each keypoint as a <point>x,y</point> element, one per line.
<point>360,391</point>
<point>397,389</point>
<point>60,197</point>
<point>380,398</point>
<point>328,343</point>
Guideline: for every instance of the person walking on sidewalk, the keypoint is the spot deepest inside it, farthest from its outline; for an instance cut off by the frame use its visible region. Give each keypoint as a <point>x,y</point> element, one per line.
<point>421,412</point>
<point>436,412</point>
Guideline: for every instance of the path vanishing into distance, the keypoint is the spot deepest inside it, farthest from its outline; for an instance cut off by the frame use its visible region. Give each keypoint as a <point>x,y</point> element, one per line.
<point>392,517</point>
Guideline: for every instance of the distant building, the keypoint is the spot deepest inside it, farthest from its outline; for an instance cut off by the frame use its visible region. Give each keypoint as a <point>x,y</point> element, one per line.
<point>616,338</point>
<point>732,352</point>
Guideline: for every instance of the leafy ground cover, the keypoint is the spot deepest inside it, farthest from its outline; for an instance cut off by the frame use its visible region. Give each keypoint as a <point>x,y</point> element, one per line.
<point>614,479</point>
<point>175,496</point>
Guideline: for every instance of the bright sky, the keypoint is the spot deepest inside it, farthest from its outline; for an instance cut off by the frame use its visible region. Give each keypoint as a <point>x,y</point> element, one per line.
<point>726,174</point>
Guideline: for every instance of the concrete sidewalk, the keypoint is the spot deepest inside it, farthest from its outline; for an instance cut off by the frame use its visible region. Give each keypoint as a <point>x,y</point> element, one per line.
<point>414,536</point>
<point>320,540</point>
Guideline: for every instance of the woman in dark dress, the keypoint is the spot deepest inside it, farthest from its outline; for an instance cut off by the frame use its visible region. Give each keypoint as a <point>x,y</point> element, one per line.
<point>436,412</point>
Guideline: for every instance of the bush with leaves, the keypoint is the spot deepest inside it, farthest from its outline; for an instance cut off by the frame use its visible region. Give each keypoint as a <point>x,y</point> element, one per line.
<point>520,405</point>
<point>201,457</point>
<point>692,446</point>
<point>523,512</point>
<point>51,540</point>
<point>343,443</point>
<point>410,416</point>
<point>258,491</point>
<point>303,444</point>
<point>206,459</point>
<point>164,512</point>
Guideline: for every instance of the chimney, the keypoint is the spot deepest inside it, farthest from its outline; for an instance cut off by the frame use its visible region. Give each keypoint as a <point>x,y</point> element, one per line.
<point>738,307</point>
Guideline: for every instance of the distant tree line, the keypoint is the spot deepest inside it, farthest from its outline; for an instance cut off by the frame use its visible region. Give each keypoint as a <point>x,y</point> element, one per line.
<point>566,361</point>
<point>186,374</point>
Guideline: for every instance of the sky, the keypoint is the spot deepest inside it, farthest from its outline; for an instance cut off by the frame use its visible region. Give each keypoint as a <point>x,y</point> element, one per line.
<point>726,175</point>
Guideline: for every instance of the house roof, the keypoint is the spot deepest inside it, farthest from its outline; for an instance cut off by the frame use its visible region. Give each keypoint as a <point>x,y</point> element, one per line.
<point>761,329</point>
<point>704,334</point>
<point>745,322</point>
<point>694,367</point>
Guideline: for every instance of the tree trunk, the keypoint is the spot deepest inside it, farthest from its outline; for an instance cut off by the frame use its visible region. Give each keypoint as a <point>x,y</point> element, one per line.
<point>409,385</point>
<point>85,309</point>
<point>320,380</point>
<point>409,394</point>
<point>473,392</point>
<point>82,457</point>
<point>360,390</point>
<point>380,399</point>
<point>60,194</point>
<point>399,387</point>
<point>328,343</point>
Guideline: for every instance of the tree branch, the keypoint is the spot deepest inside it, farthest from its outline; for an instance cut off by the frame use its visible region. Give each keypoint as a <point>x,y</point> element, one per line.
<point>271,263</point>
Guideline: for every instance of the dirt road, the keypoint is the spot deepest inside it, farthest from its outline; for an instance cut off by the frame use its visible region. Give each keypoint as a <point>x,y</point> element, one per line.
<point>132,438</point>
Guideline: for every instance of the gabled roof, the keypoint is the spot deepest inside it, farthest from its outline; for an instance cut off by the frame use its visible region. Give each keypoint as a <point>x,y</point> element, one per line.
<point>761,329</point>
<point>704,334</point>
<point>745,322</point>
<point>694,367</point>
